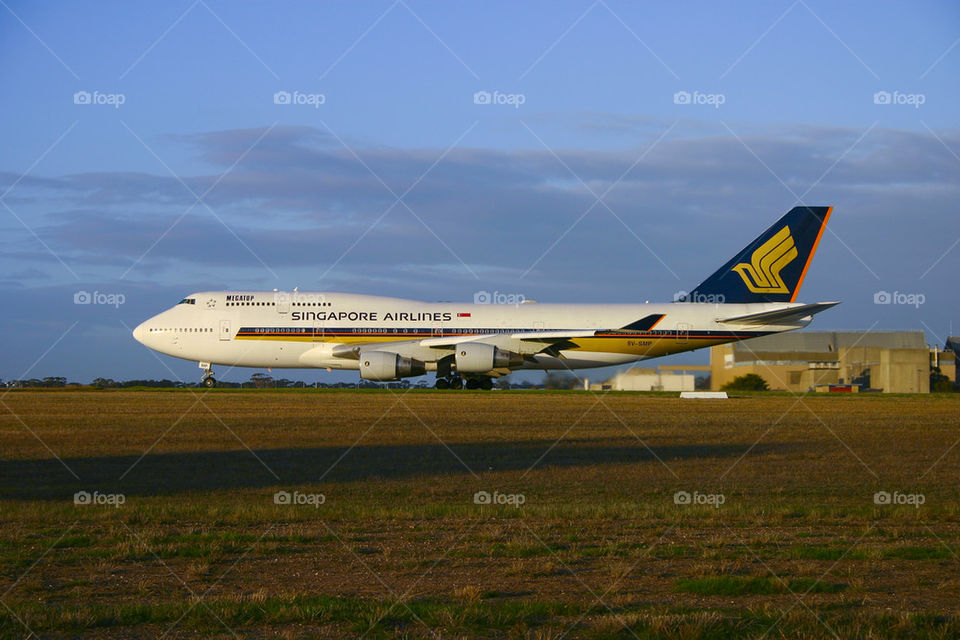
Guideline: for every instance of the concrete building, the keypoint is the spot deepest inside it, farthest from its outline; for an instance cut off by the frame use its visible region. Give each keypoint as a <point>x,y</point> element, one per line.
<point>635,379</point>
<point>890,361</point>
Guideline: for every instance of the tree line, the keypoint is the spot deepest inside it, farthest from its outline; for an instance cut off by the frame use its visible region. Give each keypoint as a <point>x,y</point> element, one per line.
<point>256,381</point>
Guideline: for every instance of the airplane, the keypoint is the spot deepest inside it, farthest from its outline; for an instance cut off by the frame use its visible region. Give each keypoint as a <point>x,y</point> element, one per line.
<point>469,345</point>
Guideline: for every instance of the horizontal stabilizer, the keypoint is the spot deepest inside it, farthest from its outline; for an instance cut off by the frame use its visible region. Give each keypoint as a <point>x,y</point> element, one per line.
<point>790,315</point>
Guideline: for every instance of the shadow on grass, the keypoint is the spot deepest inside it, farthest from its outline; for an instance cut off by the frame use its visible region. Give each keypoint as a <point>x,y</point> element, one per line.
<point>170,473</point>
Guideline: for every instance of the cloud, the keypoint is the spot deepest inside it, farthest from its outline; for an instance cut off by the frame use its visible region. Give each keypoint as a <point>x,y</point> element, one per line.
<point>304,204</point>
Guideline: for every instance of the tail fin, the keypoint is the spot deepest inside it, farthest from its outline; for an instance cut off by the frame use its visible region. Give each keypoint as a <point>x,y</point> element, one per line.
<point>772,267</point>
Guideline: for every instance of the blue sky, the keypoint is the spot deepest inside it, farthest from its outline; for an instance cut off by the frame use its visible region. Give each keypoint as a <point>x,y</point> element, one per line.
<point>502,197</point>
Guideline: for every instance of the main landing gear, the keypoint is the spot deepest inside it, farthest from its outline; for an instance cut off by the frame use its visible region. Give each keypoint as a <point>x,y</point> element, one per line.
<point>458,382</point>
<point>207,380</point>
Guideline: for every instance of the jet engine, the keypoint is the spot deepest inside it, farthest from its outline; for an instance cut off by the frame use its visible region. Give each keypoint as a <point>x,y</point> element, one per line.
<point>479,357</point>
<point>384,365</point>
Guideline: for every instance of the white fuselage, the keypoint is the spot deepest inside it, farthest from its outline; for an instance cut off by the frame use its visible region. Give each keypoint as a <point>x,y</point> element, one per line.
<point>310,330</point>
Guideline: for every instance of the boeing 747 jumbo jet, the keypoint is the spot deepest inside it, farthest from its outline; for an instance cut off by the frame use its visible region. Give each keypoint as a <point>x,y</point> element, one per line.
<point>754,294</point>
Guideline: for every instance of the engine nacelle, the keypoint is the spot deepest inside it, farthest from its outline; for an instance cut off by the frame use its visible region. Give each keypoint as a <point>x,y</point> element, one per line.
<point>479,357</point>
<point>384,365</point>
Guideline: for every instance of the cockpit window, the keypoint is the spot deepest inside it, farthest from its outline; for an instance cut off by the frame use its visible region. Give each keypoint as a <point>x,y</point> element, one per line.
<point>188,301</point>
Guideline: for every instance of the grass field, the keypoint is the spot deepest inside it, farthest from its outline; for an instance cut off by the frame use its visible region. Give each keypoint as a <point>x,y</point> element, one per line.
<point>600,516</point>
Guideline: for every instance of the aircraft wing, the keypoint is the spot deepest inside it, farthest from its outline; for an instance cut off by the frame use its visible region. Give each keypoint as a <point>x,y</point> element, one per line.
<point>790,315</point>
<point>535,342</point>
<point>526,343</point>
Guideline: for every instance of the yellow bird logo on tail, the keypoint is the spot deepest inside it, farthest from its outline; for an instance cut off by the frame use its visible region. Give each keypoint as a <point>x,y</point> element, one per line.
<point>762,275</point>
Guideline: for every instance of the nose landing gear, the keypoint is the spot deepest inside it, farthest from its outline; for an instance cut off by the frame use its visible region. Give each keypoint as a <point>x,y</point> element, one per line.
<point>207,379</point>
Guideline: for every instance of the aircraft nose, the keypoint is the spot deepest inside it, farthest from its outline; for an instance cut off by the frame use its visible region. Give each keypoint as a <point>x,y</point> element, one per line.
<point>140,332</point>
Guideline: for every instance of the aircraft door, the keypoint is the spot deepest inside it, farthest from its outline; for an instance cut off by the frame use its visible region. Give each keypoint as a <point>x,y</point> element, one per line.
<point>225,333</point>
<point>683,332</point>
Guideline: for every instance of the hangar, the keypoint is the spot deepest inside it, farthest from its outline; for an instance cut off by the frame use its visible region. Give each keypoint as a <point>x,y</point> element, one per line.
<point>888,361</point>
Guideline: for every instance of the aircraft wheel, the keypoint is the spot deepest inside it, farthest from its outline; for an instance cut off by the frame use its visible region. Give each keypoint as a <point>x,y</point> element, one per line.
<point>473,383</point>
<point>442,383</point>
<point>456,382</point>
<point>486,384</point>
<point>209,383</point>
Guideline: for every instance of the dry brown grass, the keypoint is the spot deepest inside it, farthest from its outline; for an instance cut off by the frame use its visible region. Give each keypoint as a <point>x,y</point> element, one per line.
<point>399,473</point>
